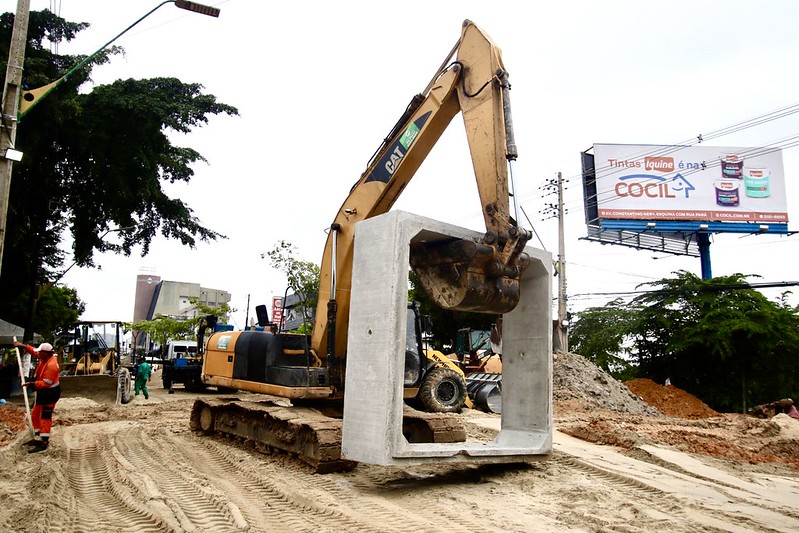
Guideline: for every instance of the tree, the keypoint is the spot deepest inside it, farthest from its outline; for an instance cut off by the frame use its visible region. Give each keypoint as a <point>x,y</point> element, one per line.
<point>302,278</point>
<point>719,339</point>
<point>601,334</point>
<point>94,161</point>
<point>57,309</point>
<point>163,328</point>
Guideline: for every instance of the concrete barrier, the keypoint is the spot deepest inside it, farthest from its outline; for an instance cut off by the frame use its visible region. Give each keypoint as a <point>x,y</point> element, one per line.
<point>373,404</point>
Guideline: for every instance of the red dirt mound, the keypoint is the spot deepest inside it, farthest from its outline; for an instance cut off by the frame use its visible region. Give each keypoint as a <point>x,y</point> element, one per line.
<point>670,400</point>
<point>12,421</point>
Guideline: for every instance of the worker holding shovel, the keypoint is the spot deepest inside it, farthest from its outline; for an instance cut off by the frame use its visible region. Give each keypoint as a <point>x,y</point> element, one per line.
<point>48,391</point>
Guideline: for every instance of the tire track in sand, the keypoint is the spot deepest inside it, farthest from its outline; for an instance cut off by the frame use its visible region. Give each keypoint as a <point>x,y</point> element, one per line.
<point>104,497</point>
<point>196,504</point>
<point>266,499</point>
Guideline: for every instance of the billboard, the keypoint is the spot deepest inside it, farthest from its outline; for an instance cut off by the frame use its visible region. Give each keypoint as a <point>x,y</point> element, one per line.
<point>691,183</point>
<point>277,311</point>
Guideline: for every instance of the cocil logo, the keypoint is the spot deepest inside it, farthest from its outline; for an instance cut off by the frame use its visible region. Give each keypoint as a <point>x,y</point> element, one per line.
<point>652,186</point>
<point>660,164</point>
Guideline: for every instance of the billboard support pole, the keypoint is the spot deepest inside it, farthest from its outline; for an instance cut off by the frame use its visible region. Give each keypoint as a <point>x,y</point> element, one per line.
<point>703,240</point>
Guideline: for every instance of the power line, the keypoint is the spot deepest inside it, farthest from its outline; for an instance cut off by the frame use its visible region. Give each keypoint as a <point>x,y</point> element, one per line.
<point>706,288</point>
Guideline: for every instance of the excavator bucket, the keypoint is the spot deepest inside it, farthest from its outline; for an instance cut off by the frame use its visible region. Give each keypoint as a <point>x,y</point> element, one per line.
<point>464,275</point>
<point>102,388</point>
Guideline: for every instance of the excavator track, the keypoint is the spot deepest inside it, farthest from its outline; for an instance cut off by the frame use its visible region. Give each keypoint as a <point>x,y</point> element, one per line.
<point>305,432</point>
<point>301,431</point>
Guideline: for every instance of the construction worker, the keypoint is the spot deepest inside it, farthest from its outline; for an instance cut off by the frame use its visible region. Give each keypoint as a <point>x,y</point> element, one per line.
<point>143,372</point>
<point>48,391</point>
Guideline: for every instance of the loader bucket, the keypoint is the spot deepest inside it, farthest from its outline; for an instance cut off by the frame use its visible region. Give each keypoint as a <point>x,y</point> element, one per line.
<point>102,388</point>
<point>463,275</point>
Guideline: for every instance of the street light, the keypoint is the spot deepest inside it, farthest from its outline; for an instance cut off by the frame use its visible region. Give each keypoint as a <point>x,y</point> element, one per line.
<point>16,103</point>
<point>30,98</point>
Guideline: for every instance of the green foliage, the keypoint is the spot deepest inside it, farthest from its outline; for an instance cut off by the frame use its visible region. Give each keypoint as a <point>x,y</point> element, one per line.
<point>221,311</point>
<point>163,328</point>
<point>601,333</point>
<point>718,339</point>
<point>56,310</point>
<point>94,161</point>
<point>302,277</point>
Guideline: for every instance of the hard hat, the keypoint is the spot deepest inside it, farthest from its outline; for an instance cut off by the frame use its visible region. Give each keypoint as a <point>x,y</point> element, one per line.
<point>45,347</point>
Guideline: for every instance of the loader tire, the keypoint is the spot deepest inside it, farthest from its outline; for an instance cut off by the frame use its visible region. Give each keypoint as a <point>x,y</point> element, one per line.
<point>166,378</point>
<point>125,393</point>
<point>443,391</point>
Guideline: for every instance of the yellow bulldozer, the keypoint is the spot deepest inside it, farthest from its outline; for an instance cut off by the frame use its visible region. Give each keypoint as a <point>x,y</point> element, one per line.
<point>92,366</point>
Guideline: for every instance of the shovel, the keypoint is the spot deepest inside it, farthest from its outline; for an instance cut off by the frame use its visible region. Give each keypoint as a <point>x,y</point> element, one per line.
<point>24,391</point>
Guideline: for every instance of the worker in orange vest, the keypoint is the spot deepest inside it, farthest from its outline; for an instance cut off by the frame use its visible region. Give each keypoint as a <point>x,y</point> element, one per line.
<point>48,391</point>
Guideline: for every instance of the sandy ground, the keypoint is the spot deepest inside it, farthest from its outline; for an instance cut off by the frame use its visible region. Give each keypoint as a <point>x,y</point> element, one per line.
<point>619,464</point>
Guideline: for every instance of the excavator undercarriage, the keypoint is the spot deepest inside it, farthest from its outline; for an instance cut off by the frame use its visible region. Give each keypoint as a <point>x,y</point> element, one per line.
<point>310,432</point>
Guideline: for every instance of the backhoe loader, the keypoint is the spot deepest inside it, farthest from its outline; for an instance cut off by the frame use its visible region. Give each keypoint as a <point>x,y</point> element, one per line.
<point>459,274</point>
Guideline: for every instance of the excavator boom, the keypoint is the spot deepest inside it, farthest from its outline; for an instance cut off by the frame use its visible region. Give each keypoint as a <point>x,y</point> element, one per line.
<point>457,275</point>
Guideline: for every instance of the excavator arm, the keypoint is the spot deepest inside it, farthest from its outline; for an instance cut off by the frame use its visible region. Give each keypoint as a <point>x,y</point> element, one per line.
<point>457,274</point>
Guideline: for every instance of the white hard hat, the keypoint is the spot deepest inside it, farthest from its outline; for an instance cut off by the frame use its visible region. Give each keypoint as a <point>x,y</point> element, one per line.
<point>45,347</point>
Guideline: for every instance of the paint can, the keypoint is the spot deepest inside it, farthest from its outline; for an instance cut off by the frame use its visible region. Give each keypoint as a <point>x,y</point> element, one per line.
<point>727,194</point>
<point>732,166</point>
<point>756,182</point>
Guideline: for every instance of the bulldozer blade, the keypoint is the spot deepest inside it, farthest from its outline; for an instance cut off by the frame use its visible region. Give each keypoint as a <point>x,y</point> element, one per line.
<point>463,275</point>
<point>102,388</point>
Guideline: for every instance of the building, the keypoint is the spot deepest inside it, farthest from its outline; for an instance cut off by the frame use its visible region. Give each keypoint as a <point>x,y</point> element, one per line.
<point>155,296</point>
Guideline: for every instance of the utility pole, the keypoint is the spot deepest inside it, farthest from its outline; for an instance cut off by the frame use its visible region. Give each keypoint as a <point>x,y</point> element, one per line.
<point>564,338</point>
<point>11,97</point>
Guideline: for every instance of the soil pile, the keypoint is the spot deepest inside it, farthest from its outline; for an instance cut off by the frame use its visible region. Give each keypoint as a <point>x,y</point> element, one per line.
<point>593,406</point>
<point>578,384</point>
<point>12,422</point>
<point>670,400</point>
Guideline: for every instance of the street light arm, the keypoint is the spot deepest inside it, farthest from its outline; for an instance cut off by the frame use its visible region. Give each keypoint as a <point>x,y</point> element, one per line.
<point>32,97</point>
<point>47,286</point>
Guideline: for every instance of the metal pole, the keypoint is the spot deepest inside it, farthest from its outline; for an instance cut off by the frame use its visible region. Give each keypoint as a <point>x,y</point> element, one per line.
<point>703,240</point>
<point>564,339</point>
<point>11,92</point>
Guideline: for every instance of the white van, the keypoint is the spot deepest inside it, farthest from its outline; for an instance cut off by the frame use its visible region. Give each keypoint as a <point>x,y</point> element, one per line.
<point>180,350</point>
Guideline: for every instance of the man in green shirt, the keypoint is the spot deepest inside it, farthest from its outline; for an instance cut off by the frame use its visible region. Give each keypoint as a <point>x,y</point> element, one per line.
<point>143,372</point>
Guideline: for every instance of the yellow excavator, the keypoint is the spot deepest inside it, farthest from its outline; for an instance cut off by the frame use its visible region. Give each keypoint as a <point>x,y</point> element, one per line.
<point>458,274</point>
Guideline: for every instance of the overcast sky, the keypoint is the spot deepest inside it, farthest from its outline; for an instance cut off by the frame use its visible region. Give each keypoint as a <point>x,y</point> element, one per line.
<point>319,84</point>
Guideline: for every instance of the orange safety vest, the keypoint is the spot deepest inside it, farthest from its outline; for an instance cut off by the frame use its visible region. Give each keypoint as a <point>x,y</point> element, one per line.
<point>47,373</point>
